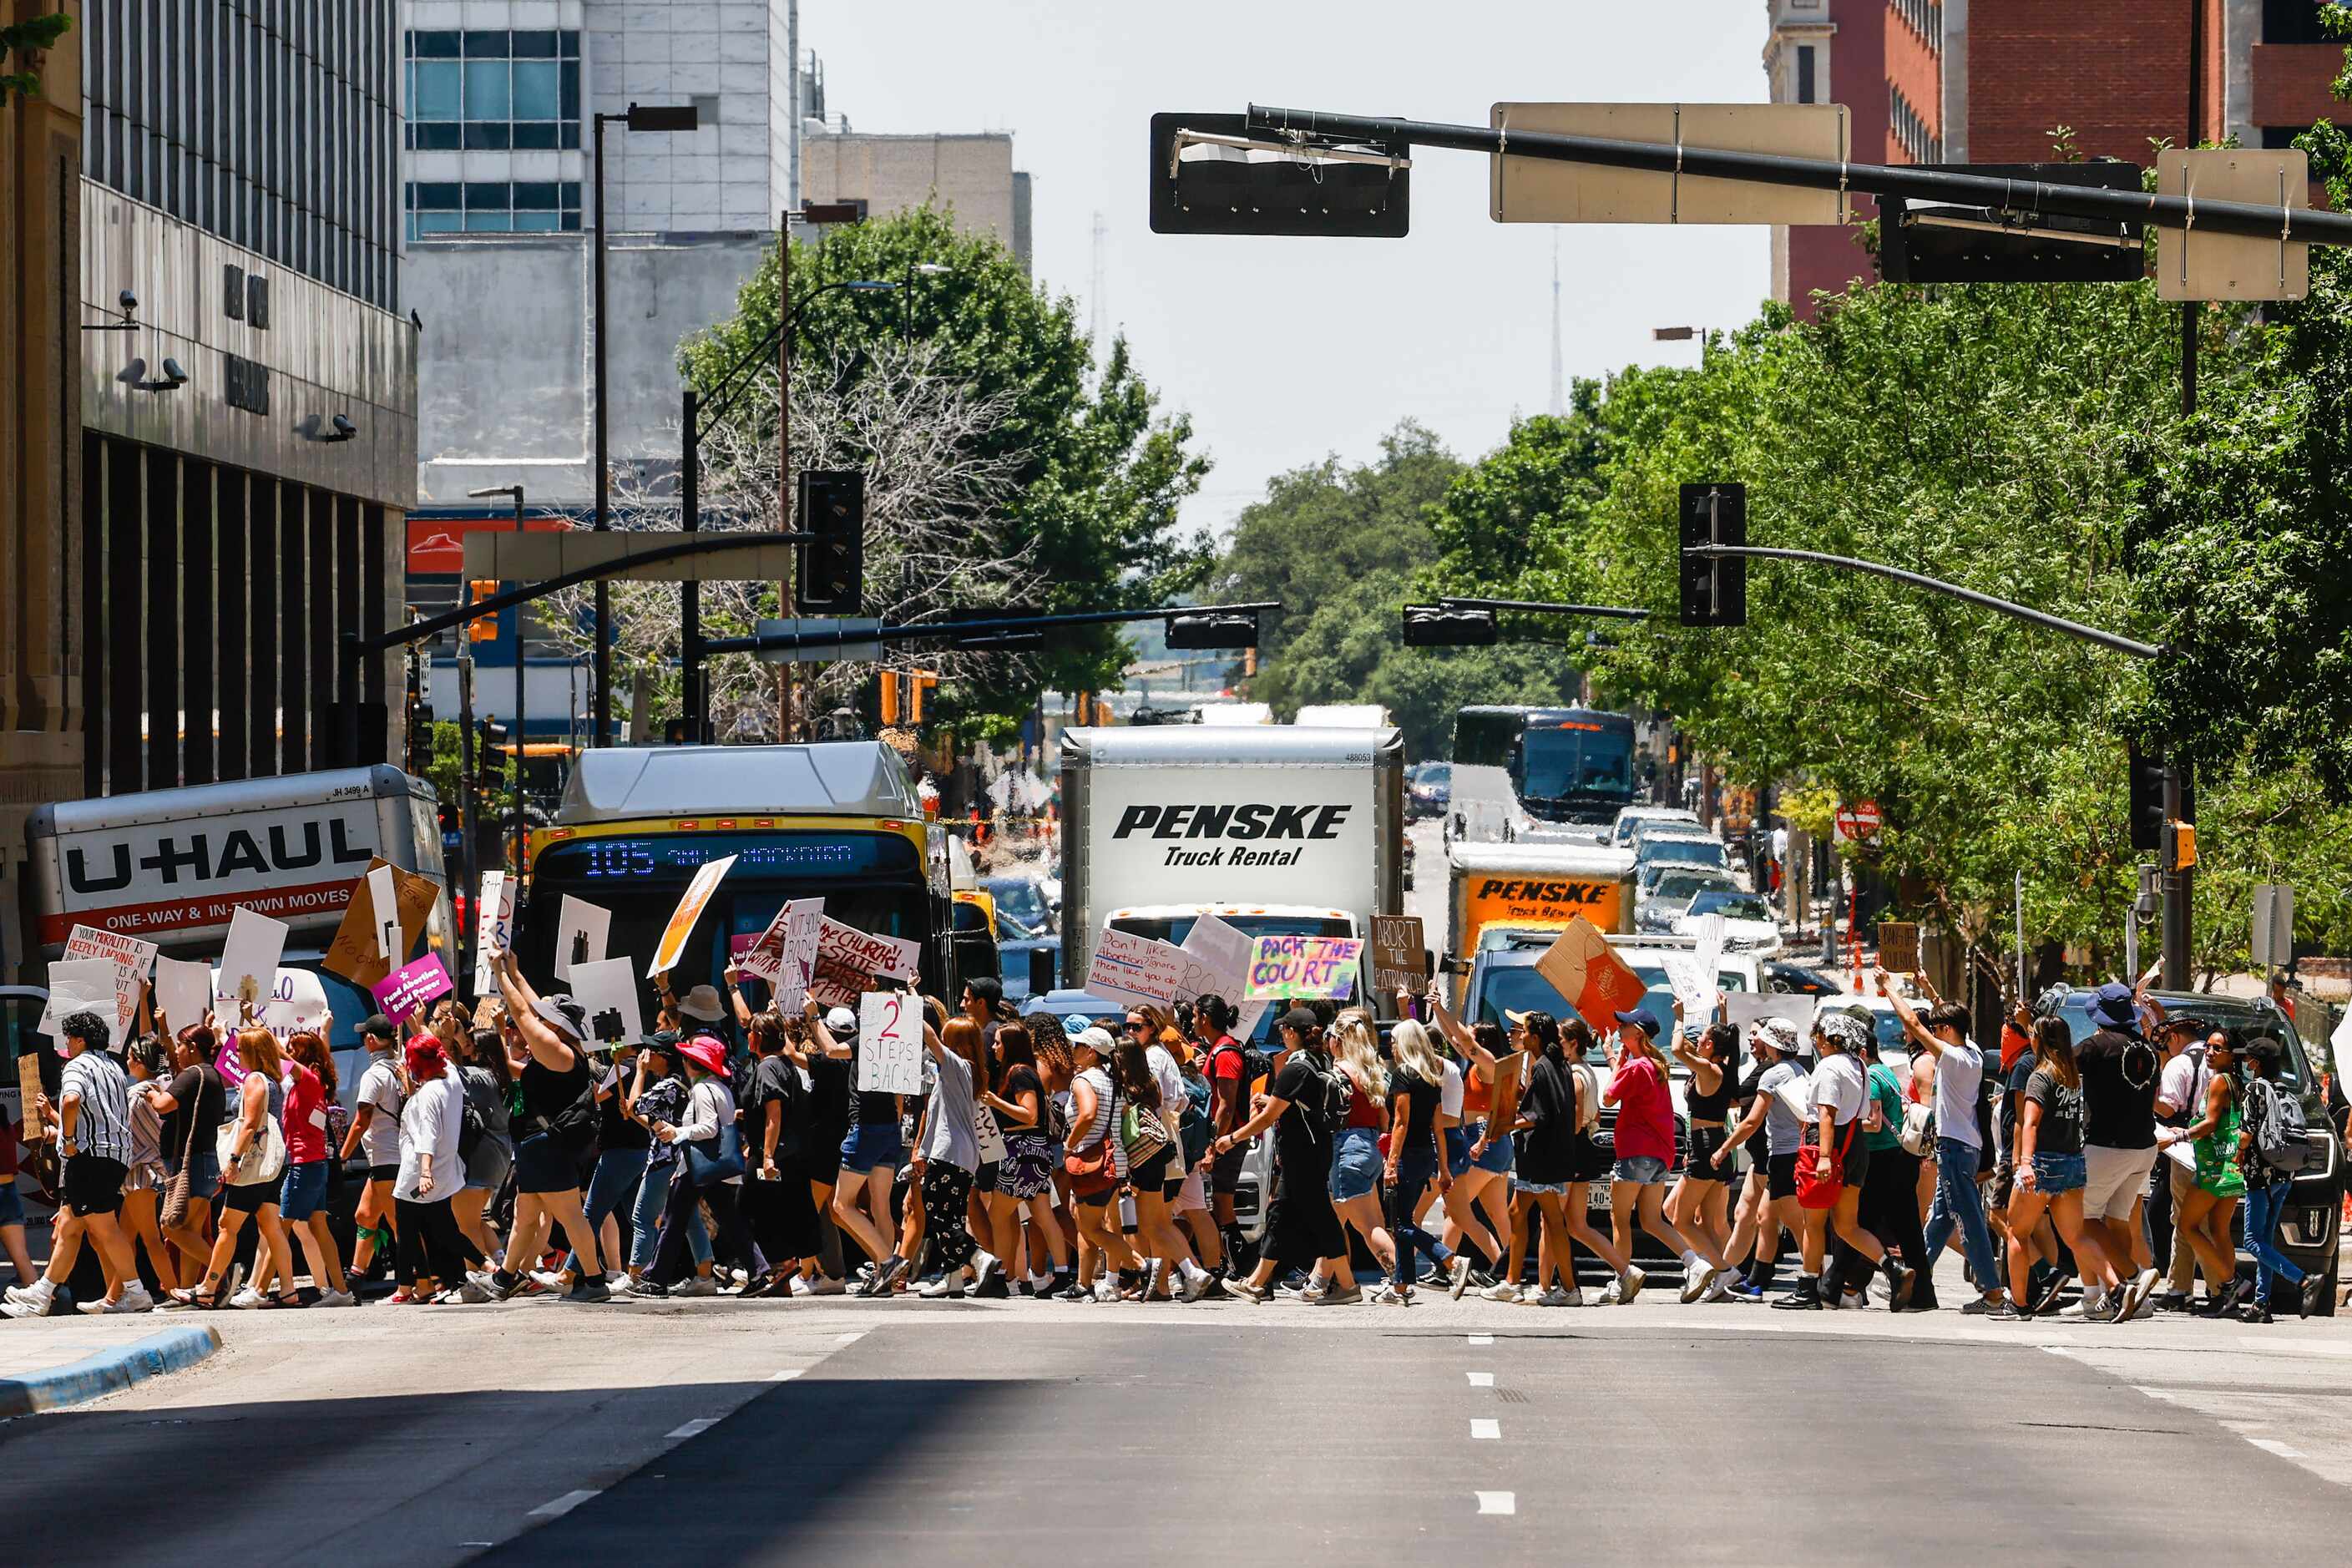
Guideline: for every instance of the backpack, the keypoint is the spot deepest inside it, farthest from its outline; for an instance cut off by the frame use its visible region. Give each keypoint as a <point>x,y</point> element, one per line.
<point>1338,1099</point>
<point>1193,1129</point>
<point>2281,1132</point>
<point>471,1129</point>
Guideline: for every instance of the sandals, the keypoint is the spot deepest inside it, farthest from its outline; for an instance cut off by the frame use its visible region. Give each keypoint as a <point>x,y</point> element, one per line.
<point>194,1296</point>
<point>287,1303</point>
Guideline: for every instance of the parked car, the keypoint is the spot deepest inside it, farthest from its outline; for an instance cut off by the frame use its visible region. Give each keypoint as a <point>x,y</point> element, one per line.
<point>1631,821</point>
<point>1655,854</point>
<point>1022,912</point>
<point>1748,921</point>
<point>1664,902</point>
<point>1796,979</point>
<point>1429,789</point>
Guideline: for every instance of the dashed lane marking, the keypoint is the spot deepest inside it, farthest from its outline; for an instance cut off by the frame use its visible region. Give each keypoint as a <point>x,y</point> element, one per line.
<point>1481,1339</point>
<point>1481,1379</point>
<point>1498,1502</point>
<point>1488,1429</point>
<point>786,1375</point>
<point>851,1338</point>
<point>694,1428</point>
<point>564,1504</point>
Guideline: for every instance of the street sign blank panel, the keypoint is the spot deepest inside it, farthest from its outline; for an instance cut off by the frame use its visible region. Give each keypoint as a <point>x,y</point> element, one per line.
<point>2201,264</point>
<point>1544,190</point>
<point>535,557</point>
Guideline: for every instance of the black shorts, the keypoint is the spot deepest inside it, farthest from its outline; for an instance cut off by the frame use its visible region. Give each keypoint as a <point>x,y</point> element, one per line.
<point>92,1185</point>
<point>1781,1175</point>
<point>1857,1163</point>
<point>1303,1227</point>
<point>984,1178</point>
<point>1152,1174</point>
<point>823,1156</point>
<point>543,1164</point>
<point>1704,1142</point>
<point>1097,1200</point>
<point>383,1172</point>
<point>1225,1170</point>
<point>248,1199</point>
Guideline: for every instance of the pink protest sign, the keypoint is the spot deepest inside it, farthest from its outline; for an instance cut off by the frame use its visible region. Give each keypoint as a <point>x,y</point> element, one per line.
<point>409,989</point>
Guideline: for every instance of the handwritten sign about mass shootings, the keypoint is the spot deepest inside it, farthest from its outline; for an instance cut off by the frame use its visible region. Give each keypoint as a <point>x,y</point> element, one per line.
<point>1302,968</point>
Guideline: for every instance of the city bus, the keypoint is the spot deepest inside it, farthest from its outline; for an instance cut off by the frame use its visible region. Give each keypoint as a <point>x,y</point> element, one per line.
<point>837,820</point>
<point>1565,764</point>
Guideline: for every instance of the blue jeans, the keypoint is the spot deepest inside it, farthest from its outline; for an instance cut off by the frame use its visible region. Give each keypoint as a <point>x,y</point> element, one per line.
<point>1956,1201</point>
<point>618,1171</point>
<point>1414,1173</point>
<point>2261,1210</point>
<point>652,1196</point>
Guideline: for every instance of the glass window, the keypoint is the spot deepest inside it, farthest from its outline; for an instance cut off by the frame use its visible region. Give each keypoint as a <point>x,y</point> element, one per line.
<point>535,195</point>
<point>432,90</point>
<point>429,194</point>
<point>487,94</point>
<point>568,42</point>
<point>486,133</point>
<point>487,45</point>
<point>433,45</point>
<point>535,222</point>
<point>437,138</point>
<point>438,223</point>
<point>532,134</point>
<point>490,222</point>
<point>534,46</point>
<point>489,195</point>
<point>536,92</point>
<point>571,77</point>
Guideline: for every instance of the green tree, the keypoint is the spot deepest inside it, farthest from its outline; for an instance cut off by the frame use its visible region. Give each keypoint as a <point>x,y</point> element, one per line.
<point>26,40</point>
<point>1098,470</point>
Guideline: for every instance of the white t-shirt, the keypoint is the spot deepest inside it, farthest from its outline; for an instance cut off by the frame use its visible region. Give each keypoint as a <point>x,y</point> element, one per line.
<point>429,1124</point>
<point>1785,1088</point>
<point>1840,1083</point>
<point>1173,1097</point>
<point>1449,1091</point>
<point>1959,1071</point>
<point>2182,1087</point>
<point>379,1142</point>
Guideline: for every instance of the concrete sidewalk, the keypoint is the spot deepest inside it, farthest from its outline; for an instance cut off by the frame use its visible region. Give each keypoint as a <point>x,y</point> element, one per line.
<point>46,1363</point>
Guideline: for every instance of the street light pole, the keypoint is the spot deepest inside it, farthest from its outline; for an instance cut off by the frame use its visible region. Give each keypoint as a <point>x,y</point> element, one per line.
<point>637,117</point>
<point>514,491</point>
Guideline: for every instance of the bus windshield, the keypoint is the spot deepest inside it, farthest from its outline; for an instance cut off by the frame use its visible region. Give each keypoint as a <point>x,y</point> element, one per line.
<point>1560,761</point>
<point>871,880</point>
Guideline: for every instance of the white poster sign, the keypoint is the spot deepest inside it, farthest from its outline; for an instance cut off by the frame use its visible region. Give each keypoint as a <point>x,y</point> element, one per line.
<point>1745,1007</point>
<point>707,878</point>
<point>606,991</point>
<point>1222,949</point>
<point>785,954</point>
<point>889,1043</point>
<point>80,985</point>
<point>296,1001</point>
<point>1694,987</point>
<point>248,965</point>
<point>131,959</point>
<point>184,991</point>
<point>581,929</point>
<point>495,930</point>
<point>383,898</point>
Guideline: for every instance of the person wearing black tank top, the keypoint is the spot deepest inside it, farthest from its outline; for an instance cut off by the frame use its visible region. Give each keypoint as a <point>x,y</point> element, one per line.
<point>1699,1203</point>
<point>553,1080</point>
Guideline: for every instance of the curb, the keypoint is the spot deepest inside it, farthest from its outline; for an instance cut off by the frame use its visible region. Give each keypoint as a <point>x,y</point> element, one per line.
<point>52,1387</point>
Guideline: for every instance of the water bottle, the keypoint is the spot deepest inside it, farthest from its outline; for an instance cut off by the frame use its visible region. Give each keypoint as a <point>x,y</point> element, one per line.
<point>1126,1213</point>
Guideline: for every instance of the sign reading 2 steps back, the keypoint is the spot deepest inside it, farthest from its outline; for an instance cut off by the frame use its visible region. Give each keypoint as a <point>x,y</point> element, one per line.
<point>889,1043</point>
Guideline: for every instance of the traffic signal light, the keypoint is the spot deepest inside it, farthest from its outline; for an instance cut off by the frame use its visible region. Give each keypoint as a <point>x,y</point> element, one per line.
<point>1230,629</point>
<point>1214,187</point>
<point>920,685</point>
<point>483,629</point>
<point>1715,587</point>
<point>833,566</point>
<point>2147,799</point>
<point>1934,244</point>
<point>1439,626</point>
<point>494,741</point>
<point>892,699</point>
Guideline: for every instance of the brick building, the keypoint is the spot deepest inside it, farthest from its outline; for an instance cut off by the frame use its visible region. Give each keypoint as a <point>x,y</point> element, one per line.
<point>1988,81</point>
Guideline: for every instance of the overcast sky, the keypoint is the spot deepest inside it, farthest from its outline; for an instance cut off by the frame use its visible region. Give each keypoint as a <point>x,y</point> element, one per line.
<point>1284,350</point>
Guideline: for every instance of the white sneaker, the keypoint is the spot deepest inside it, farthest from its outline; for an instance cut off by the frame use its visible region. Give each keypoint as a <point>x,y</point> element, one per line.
<point>134,1300</point>
<point>1557,1297</point>
<point>1501,1290</point>
<point>1529,1296</point>
<point>247,1299</point>
<point>1040,1283</point>
<point>826,1285</point>
<point>1613,1293</point>
<point>1390,1295</point>
<point>1196,1284</point>
<point>547,1279</point>
<point>946,1285</point>
<point>2093,1305</point>
<point>1631,1282</point>
<point>700,1285</point>
<point>1698,1280</point>
<point>1718,1284</point>
<point>30,1301</point>
<point>469,1293</point>
<point>343,1298</point>
<point>1105,1290</point>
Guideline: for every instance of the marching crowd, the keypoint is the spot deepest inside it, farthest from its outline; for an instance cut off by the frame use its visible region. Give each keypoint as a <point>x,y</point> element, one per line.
<point>1089,1160</point>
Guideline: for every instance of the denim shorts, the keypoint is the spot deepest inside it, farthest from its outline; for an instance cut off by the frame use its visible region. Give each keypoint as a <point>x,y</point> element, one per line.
<point>1541,1189</point>
<point>1642,1169</point>
<point>1497,1157</point>
<point>203,1173</point>
<point>1457,1151</point>
<point>1355,1163</point>
<point>304,1192</point>
<point>871,1144</point>
<point>2055,1173</point>
<point>12,1207</point>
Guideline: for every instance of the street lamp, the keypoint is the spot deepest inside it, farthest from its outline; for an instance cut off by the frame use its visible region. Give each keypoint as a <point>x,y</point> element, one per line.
<point>514,492</point>
<point>731,385</point>
<point>637,117</point>
<point>906,297</point>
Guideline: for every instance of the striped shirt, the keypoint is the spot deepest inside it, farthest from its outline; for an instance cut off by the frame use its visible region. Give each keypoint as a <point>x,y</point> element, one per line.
<point>103,1126</point>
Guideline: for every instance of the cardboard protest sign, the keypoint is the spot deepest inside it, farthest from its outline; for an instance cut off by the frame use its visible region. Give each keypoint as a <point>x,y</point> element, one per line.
<point>248,965</point>
<point>1400,954</point>
<point>889,1043</point>
<point>1300,968</point>
<point>184,991</point>
<point>581,929</point>
<point>689,909</point>
<point>353,953</point>
<point>131,959</point>
<point>1140,971</point>
<point>1898,947</point>
<point>848,961</point>
<point>407,991</point>
<point>1222,949</point>
<point>1747,1008</point>
<point>296,1001</point>
<point>81,985</point>
<point>494,928</point>
<point>784,956</point>
<point>1587,972</point>
<point>606,990</point>
<point>28,1093</point>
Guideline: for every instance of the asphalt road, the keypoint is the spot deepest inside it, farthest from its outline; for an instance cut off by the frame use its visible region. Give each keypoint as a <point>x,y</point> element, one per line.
<point>973,1433</point>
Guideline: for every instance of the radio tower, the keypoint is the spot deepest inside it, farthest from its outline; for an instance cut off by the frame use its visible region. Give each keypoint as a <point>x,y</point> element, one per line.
<point>1095,315</point>
<point>1559,404</point>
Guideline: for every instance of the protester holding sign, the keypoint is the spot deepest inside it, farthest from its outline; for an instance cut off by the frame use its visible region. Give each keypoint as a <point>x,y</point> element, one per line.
<point>559,1119</point>
<point>93,1118</point>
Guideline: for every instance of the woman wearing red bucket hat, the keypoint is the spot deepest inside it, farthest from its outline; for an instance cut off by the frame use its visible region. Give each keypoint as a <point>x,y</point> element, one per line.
<point>710,1169</point>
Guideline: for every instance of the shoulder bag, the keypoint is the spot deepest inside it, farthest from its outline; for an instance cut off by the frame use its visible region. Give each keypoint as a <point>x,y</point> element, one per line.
<point>712,1160</point>
<point>264,1157</point>
<point>1815,1190</point>
<point>172,1213</point>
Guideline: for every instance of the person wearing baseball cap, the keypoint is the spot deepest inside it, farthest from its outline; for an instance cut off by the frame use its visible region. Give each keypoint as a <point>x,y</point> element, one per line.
<point>1774,1096</point>
<point>1645,1153</point>
<point>558,1122</point>
<point>1303,1230</point>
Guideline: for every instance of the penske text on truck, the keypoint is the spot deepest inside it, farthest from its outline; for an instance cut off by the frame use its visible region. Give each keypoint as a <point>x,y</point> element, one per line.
<point>1182,816</point>
<point>1536,887</point>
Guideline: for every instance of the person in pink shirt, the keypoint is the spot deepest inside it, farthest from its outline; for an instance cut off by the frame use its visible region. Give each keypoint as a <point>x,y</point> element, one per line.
<point>310,1087</point>
<point>1645,1153</point>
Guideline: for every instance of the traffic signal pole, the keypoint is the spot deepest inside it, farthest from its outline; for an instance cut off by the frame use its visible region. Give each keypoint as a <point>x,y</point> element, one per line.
<point>969,631</point>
